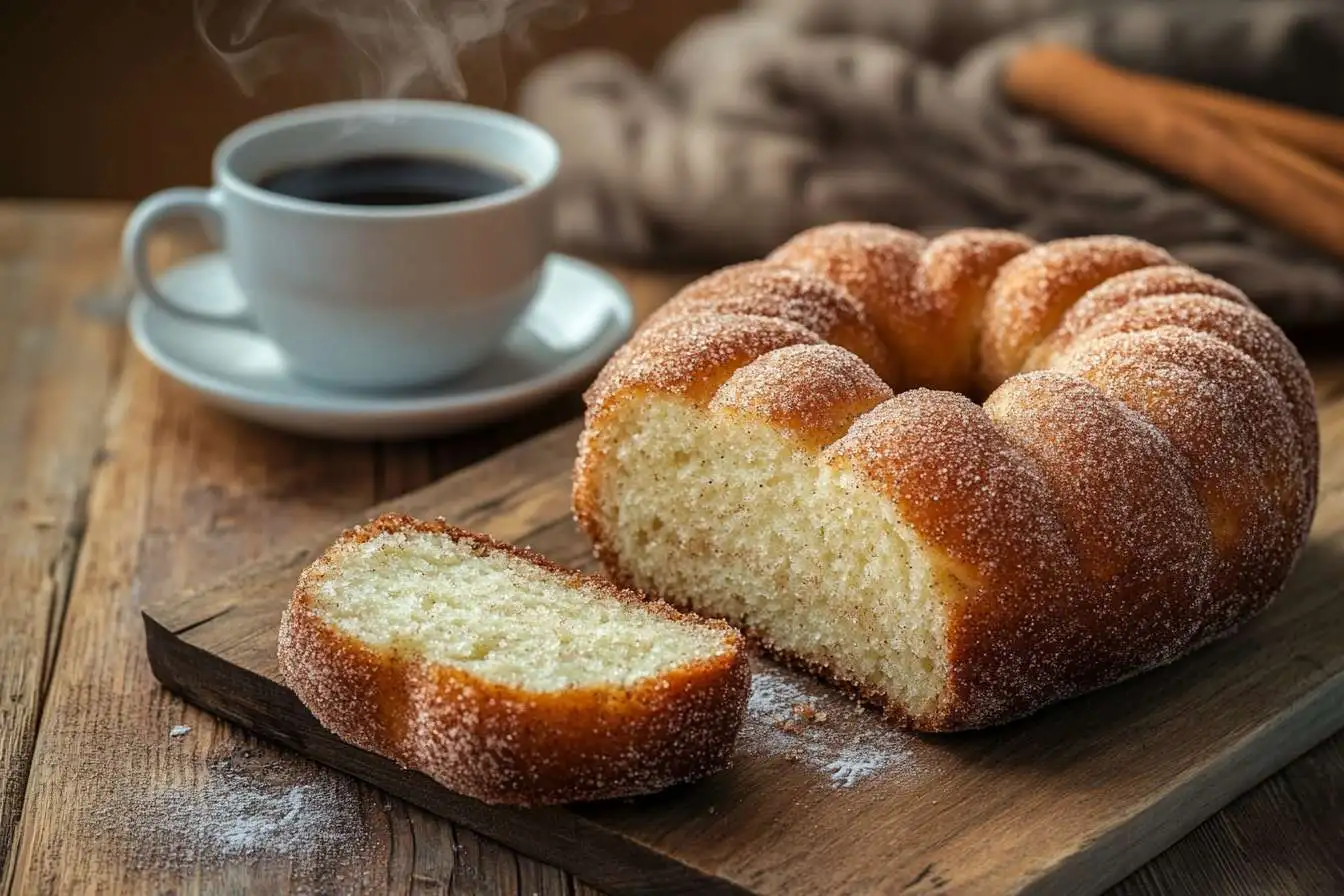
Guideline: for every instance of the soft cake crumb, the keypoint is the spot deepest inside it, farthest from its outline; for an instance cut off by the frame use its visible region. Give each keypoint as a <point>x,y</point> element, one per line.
<point>498,617</point>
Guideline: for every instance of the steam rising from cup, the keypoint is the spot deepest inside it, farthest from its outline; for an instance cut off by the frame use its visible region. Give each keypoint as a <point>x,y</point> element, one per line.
<point>368,48</point>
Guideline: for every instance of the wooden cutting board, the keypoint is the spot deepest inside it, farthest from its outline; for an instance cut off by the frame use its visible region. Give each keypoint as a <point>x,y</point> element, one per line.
<point>824,797</point>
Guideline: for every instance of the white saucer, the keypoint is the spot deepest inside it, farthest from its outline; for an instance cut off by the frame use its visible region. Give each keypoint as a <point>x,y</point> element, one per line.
<point>580,316</point>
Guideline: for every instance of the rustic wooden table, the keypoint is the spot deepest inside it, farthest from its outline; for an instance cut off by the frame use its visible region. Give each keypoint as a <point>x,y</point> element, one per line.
<point>115,484</point>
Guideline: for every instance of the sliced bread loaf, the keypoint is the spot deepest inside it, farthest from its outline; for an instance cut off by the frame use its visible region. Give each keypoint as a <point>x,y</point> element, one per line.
<point>506,677</point>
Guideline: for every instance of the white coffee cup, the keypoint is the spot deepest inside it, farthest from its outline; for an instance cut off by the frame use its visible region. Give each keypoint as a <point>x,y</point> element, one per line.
<point>370,297</point>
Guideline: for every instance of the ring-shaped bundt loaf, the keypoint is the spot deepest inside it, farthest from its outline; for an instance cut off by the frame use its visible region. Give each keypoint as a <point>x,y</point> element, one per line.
<point>1138,481</point>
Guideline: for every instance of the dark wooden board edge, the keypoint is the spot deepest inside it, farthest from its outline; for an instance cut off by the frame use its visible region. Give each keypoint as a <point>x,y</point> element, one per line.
<point>601,856</point>
<point>1117,853</point>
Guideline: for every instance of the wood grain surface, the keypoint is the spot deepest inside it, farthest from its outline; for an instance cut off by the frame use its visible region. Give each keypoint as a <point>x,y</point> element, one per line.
<point>55,372</point>
<point>179,494</point>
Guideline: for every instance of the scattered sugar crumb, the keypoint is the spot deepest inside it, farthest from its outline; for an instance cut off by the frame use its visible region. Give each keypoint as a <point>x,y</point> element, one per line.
<point>783,719</point>
<point>179,730</point>
<point>805,711</point>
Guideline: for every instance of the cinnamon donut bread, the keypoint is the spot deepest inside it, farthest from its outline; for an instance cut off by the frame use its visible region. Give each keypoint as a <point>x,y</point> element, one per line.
<point>1138,481</point>
<point>503,676</point>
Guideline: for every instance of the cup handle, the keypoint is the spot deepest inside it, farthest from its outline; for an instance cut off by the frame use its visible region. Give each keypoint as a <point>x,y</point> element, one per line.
<point>178,202</point>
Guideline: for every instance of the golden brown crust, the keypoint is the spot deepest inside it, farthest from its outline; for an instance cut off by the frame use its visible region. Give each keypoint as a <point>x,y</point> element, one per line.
<point>1033,291</point>
<point>874,263</point>
<point>1230,423</point>
<point>773,290</point>
<point>811,392</point>
<point>692,356</point>
<point>503,744</point>
<point>925,297</point>
<point>1118,482</point>
<point>1122,290</point>
<point>940,341</point>
<point>1242,327</point>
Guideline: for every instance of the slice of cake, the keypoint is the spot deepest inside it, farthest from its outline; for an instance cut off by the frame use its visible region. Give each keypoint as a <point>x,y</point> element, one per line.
<point>506,677</point>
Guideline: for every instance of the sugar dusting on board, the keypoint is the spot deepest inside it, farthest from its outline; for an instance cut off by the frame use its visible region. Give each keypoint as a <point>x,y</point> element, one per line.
<point>245,808</point>
<point>819,729</point>
<point>242,817</point>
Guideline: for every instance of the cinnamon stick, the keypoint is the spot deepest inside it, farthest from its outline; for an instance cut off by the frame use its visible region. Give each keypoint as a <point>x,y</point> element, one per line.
<point>1104,104</point>
<point>1321,136</point>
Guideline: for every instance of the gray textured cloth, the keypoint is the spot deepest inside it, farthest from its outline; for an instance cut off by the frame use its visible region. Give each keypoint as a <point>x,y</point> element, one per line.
<point>790,113</point>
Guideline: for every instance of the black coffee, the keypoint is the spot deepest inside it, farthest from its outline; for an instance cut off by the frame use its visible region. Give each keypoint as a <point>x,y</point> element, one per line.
<point>391,180</point>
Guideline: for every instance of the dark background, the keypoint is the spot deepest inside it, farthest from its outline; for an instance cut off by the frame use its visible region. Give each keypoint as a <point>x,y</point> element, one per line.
<point>118,98</point>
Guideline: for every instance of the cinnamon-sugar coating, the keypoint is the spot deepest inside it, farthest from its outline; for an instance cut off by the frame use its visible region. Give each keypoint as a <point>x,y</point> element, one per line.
<point>812,392</point>
<point>1242,327</point>
<point>1229,422</point>
<point>1117,482</point>
<point>874,263</point>
<point>774,290</point>
<point>940,338</point>
<point>1033,291</point>
<point>692,355</point>
<point>1122,290</point>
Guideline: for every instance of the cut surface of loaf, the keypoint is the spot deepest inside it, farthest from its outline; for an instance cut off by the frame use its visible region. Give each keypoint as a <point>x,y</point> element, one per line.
<point>503,676</point>
<point>1138,481</point>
